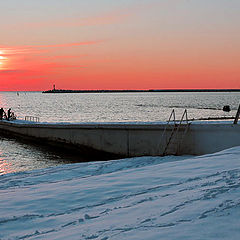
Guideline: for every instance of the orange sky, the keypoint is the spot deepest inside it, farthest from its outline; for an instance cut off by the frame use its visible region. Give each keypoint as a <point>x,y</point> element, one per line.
<point>119,45</point>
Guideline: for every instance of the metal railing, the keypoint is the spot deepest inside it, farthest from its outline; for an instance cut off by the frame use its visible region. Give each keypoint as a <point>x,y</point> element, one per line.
<point>31,119</point>
<point>184,132</point>
<point>237,115</point>
<point>175,127</point>
<point>172,118</point>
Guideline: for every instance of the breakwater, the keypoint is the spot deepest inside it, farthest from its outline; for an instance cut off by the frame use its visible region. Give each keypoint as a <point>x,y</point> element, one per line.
<point>114,140</point>
<point>139,91</point>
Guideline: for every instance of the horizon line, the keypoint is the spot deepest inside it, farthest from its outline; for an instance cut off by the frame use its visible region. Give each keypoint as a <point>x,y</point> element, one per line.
<point>125,90</point>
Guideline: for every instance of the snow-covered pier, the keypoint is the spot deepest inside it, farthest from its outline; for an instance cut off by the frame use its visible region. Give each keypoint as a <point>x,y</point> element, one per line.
<point>131,139</point>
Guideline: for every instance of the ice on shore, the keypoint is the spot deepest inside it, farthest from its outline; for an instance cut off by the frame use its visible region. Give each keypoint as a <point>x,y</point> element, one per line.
<point>138,198</point>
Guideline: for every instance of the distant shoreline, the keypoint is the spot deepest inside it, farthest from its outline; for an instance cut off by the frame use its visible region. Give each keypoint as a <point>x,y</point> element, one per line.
<point>133,91</point>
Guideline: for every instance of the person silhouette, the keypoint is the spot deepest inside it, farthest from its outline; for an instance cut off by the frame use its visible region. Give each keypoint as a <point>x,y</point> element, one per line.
<point>9,114</point>
<point>1,113</point>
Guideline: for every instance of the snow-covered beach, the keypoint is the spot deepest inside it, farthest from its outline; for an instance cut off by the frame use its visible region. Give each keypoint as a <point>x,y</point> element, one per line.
<point>169,197</point>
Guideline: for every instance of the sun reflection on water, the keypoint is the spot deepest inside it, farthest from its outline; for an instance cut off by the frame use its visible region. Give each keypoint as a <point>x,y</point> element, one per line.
<point>5,167</point>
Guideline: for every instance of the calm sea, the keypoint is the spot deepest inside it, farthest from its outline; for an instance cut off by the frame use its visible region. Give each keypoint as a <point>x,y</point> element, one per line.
<point>17,155</point>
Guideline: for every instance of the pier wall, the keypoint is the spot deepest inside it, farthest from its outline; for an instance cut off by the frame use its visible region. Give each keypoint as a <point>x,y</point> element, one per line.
<point>130,140</point>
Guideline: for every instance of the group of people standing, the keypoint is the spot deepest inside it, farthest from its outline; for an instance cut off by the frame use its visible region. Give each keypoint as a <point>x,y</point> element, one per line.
<point>8,116</point>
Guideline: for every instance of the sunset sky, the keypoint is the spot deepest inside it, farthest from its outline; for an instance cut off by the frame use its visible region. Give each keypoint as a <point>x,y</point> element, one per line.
<point>119,44</point>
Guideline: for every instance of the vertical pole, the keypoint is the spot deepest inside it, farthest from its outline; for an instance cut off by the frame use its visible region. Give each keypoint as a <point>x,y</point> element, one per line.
<point>237,115</point>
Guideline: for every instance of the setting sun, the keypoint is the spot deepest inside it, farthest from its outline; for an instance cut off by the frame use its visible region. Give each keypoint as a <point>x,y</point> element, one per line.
<point>2,59</point>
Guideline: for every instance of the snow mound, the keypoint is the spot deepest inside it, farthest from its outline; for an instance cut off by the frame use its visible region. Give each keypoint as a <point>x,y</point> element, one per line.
<point>138,198</point>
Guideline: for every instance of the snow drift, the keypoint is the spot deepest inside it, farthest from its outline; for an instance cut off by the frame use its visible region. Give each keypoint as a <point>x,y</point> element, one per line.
<point>139,198</point>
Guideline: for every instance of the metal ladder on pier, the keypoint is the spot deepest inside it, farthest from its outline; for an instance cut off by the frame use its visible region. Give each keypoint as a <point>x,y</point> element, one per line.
<point>175,138</point>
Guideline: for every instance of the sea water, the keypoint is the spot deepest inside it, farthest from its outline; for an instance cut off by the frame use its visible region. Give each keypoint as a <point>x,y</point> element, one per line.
<point>18,156</point>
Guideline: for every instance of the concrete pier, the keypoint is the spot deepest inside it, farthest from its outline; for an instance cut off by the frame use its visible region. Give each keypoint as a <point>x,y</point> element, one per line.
<point>130,139</point>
